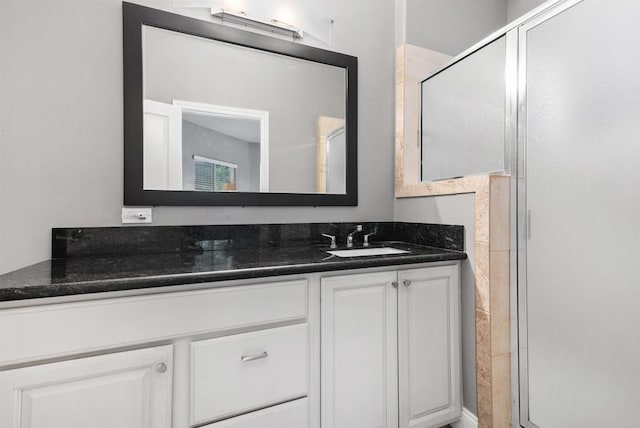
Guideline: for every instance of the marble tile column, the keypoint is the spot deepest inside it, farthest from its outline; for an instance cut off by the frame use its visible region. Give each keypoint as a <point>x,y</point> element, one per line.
<point>492,303</point>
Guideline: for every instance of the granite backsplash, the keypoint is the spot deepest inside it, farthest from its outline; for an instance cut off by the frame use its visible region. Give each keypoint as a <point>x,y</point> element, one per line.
<point>140,240</point>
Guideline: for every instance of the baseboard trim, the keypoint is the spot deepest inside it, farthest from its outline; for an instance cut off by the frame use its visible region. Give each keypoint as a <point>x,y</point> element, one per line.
<point>468,420</point>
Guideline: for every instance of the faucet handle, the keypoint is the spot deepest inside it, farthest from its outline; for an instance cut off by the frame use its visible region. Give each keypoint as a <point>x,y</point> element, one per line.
<point>333,240</point>
<point>366,239</point>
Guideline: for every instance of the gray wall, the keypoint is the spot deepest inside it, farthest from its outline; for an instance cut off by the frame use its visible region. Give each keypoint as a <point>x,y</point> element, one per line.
<point>61,122</point>
<point>455,209</point>
<point>517,8</point>
<point>451,26</point>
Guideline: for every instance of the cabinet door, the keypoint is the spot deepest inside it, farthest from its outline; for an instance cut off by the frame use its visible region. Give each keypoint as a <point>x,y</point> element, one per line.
<point>359,351</point>
<point>125,390</point>
<point>429,346</point>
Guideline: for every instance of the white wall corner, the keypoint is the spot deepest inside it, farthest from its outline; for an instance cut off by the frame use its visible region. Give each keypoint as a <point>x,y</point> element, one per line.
<point>468,420</point>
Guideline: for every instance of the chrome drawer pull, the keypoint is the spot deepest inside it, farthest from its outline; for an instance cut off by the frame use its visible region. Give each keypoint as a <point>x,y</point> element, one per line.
<point>247,358</point>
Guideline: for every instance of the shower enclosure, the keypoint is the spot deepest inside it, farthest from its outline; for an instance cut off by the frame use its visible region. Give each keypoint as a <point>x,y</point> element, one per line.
<point>572,147</point>
<point>579,215</point>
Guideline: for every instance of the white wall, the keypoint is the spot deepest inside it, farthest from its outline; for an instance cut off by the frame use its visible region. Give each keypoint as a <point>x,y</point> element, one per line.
<point>61,155</point>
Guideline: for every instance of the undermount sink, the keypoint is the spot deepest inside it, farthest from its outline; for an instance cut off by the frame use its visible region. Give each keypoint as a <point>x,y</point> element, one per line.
<point>362,252</point>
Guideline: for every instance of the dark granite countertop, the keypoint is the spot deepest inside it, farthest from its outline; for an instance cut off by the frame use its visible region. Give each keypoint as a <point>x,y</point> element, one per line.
<point>83,275</point>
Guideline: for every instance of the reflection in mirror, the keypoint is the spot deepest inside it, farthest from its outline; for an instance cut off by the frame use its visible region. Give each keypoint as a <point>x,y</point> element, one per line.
<point>336,146</point>
<point>220,117</point>
<point>223,153</point>
<point>332,148</point>
<point>204,147</point>
<point>463,116</point>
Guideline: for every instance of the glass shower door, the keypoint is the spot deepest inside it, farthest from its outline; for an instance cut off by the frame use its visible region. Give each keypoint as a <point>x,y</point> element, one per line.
<point>579,216</point>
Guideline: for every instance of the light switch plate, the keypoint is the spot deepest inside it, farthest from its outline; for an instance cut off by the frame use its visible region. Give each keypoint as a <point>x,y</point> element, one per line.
<point>136,215</point>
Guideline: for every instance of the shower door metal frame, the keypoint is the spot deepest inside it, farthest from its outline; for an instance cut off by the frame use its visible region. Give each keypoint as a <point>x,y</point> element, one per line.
<point>521,229</point>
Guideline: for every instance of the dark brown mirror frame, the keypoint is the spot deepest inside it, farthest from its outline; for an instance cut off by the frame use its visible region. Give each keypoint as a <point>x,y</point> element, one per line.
<point>134,17</point>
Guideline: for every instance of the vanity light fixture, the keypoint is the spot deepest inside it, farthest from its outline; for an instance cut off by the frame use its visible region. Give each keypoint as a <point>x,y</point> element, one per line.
<point>273,26</point>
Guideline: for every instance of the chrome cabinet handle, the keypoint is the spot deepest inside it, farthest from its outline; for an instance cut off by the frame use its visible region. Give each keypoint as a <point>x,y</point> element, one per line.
<point>161,367</point>
<point>406,282</point>
<point>395,284</point>
<point>247,358</point>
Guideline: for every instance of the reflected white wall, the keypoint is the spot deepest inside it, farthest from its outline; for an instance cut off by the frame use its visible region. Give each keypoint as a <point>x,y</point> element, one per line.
<point>337,164</point>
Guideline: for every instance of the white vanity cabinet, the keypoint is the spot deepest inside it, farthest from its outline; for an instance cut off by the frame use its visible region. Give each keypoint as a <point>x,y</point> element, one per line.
<point>129,389</point>
<point>377,347</point>
<point>174,359</point>
<point>391,349</point>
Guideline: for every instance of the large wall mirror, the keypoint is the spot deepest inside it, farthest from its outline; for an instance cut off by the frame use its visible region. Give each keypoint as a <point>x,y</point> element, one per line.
<point>220,116</point>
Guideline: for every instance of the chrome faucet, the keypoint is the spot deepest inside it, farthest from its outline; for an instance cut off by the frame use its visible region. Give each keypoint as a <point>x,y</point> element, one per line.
<point>350,236</point>
<point>366,239</point>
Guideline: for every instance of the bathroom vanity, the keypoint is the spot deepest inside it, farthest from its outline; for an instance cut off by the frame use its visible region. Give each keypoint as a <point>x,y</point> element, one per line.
<point>336,342</point>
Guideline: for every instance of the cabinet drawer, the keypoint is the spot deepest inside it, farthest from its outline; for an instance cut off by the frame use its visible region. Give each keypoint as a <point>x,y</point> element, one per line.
<point>236,374</point>
<point>293,414</point>
<point>100,324</point>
